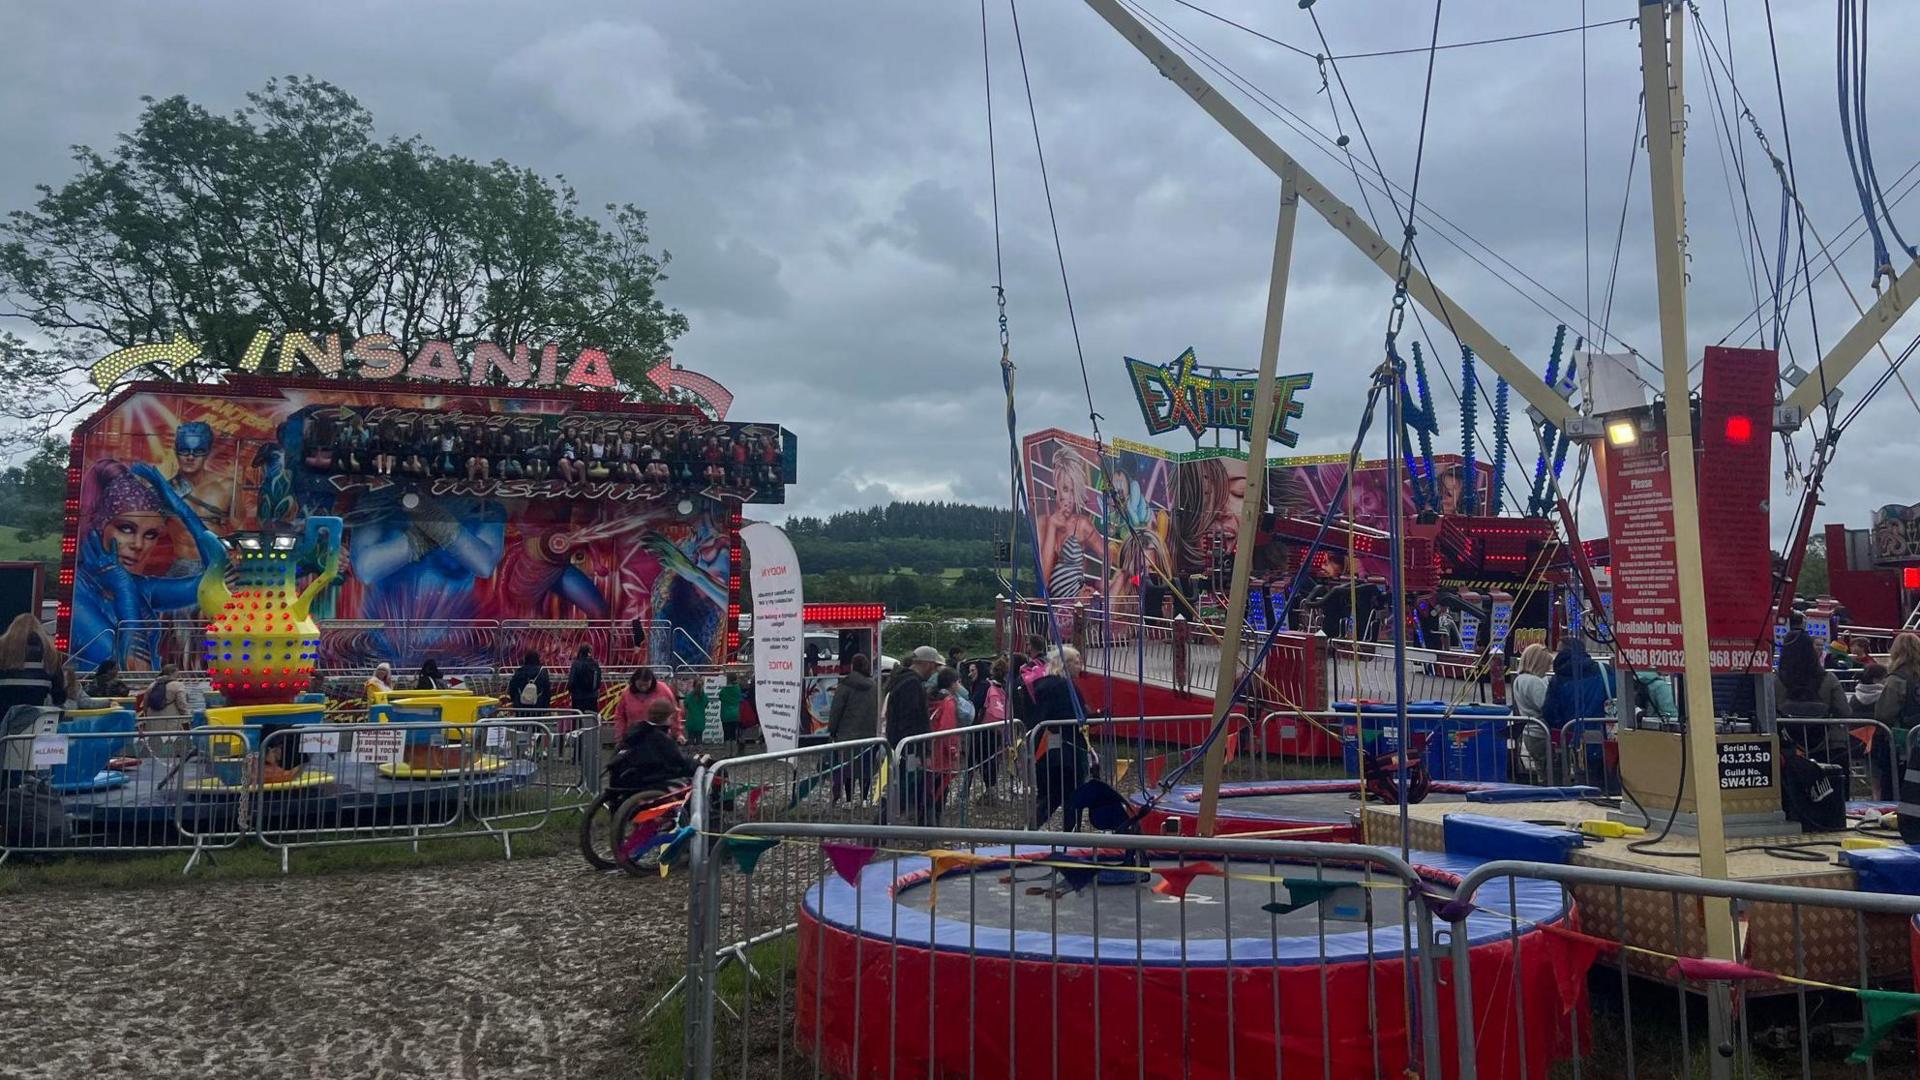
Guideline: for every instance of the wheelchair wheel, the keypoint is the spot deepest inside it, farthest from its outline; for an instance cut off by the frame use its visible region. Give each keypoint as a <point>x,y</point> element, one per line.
<point>620,830</point>
<point>596,839</point>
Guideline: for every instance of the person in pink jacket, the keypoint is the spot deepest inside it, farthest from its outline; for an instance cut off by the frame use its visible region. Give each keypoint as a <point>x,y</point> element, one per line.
<point>643,689</point>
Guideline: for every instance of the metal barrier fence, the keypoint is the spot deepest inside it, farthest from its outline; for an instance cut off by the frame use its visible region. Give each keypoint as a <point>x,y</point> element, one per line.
<point>910,951</point>
<point>207,788</point>
<point>1817,946</point>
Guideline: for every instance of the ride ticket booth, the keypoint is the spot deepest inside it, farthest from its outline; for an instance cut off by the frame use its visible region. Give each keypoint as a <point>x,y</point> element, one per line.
<point>832,635</point>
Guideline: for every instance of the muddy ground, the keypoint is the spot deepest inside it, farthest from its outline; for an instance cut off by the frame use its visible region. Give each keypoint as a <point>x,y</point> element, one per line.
<point>528,968</point>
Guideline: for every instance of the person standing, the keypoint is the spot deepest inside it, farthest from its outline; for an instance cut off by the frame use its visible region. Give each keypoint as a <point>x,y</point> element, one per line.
<point>30,667</point>
<point>854,714</point>
<point>530,691</point>
<point>730,712</point>
<point>694,703</point>
<point>643,689</point>
<point>1805,689</point>
<point>1529,701</point>
<point>1898,705</point>
<point>1060,752</point>
<point>583,682</point>
<point>906,716</point>
<point>639,628</point>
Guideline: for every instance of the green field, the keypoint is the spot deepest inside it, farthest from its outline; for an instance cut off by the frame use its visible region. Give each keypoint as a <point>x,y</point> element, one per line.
<point>13,549</point>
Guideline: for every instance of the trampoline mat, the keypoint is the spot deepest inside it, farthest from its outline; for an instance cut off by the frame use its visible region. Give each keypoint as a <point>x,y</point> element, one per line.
<point>1330,806</point>
<point>1122,905</point>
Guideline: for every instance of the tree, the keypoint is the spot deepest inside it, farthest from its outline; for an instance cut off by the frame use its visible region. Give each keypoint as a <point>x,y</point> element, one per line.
<point>291,215</point>
<point>34,492</point>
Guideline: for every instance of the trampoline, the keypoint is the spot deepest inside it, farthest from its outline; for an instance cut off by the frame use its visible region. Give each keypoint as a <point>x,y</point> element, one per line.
<point>1298,809</point>
<point>998,970</point>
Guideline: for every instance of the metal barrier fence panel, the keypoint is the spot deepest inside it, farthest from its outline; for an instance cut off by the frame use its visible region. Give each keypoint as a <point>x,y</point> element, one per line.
<point>1791,1006</point>
<point>114,791</point>
<point>880,951</point>
<point>968,777</point>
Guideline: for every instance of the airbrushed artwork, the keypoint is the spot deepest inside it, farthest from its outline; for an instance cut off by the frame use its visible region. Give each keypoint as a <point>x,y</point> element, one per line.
<point>1174,515</point>
<point>459,508</point>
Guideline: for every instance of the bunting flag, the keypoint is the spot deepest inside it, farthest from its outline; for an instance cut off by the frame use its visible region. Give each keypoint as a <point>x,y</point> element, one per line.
<point>1121,767</point>
<point>1303,892</point>
<point>1176,880</point>
<point>1600,944</point>
<point>753,800</point>
<point>848,859</point>
<point>1883,1009</point>
<point>674,848</point>
<point>1703,969</point>
<point>746,850</point>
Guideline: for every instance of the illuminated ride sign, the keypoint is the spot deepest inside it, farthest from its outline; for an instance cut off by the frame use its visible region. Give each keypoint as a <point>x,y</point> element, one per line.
<point>714,398</point>
<point>377,356</point>
<point>1171,396</point>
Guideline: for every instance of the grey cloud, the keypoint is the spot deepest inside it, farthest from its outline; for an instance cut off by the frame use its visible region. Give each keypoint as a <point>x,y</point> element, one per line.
<point>820,174</point>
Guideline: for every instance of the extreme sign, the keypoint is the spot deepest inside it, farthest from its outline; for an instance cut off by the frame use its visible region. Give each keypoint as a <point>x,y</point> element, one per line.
<point>1171,396</point>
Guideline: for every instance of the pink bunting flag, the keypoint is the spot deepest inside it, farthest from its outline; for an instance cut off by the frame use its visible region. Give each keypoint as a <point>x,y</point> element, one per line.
<point>1702,969</point>
<point>1176,880</point>
<point>848,859</point>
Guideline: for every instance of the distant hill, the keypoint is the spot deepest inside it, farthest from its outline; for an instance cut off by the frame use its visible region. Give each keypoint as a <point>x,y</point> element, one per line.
<point>45,549</point>
<point>906,555</point>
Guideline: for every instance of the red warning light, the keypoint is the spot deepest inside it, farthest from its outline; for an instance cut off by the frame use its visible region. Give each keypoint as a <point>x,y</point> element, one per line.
<point>1739,429</point>
<point>1910,577</point>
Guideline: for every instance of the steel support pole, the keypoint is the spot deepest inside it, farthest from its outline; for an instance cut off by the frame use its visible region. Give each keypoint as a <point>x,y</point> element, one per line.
<point>1262,420</point>
<point>1662,52</point>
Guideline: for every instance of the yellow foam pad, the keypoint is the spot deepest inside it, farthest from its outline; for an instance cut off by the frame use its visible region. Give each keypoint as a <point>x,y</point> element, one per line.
<point>400,770</point>
<point>302,780</point>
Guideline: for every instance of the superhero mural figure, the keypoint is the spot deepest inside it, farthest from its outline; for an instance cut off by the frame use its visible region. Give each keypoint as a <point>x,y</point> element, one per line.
<point>119,600</point>
<point>417,560</point>
<point>201,488</point>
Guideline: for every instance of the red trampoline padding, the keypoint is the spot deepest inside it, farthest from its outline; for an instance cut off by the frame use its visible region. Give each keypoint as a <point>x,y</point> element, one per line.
<point>955,1014</point>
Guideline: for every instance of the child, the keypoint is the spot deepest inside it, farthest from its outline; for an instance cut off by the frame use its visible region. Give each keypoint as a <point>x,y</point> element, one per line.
<point>1866,693</point>
<point>649,759</point>
<point>694,698</point>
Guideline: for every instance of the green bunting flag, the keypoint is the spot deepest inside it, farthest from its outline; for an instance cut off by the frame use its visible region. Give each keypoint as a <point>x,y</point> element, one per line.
<point>1883,1009</point>
<point>1303,892</point>
<point>746,850</point>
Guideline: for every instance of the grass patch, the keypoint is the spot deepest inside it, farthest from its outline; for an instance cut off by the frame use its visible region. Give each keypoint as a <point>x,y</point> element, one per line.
<point>14,549</point>
<point>659,1042</point>
<point>252,861</point>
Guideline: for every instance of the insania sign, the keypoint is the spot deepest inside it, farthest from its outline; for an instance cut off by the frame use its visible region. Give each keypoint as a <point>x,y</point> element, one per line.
<point>377,356</point>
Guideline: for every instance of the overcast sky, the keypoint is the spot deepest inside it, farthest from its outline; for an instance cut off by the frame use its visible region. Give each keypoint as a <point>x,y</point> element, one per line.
<point>819,172</point>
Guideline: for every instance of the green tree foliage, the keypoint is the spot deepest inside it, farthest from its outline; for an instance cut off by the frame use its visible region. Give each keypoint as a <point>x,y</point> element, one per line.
<point>32,493</point>
<point>291,215</point>
<point>898,555</point>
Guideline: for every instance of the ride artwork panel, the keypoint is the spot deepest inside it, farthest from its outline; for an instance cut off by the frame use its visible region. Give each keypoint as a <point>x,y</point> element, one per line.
<point>461,510</point>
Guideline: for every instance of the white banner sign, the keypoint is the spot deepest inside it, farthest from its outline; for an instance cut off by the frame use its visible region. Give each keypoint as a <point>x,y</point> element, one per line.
<point>777,625</point>
<point>375,747</point>
<point>319,742</point>
<point>49,750</point>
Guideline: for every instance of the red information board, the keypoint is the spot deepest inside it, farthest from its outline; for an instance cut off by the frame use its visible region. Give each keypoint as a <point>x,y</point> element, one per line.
<point>1736,463</point>
<point>1646,586</point>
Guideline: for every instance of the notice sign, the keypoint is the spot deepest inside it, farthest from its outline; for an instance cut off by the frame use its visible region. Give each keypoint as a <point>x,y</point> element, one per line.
<point>777,623</point>
<point>1746,764</point>
<point>1646,585</point>
<point>319,742</point>
<point>712,685</point>
<point>375,747</point>
<point>49,751</point>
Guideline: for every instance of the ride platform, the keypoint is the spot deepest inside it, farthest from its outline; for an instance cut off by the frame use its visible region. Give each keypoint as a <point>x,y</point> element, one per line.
<point>1833,944</point>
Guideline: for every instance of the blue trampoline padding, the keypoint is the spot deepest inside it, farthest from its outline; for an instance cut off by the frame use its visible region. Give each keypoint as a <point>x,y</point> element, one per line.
<point>1432,707</point>
<point>1480,836</point>
<point>1886,870</point>
<point>1520,793</point>
<point>103,780</point>
<point>868,909</point>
